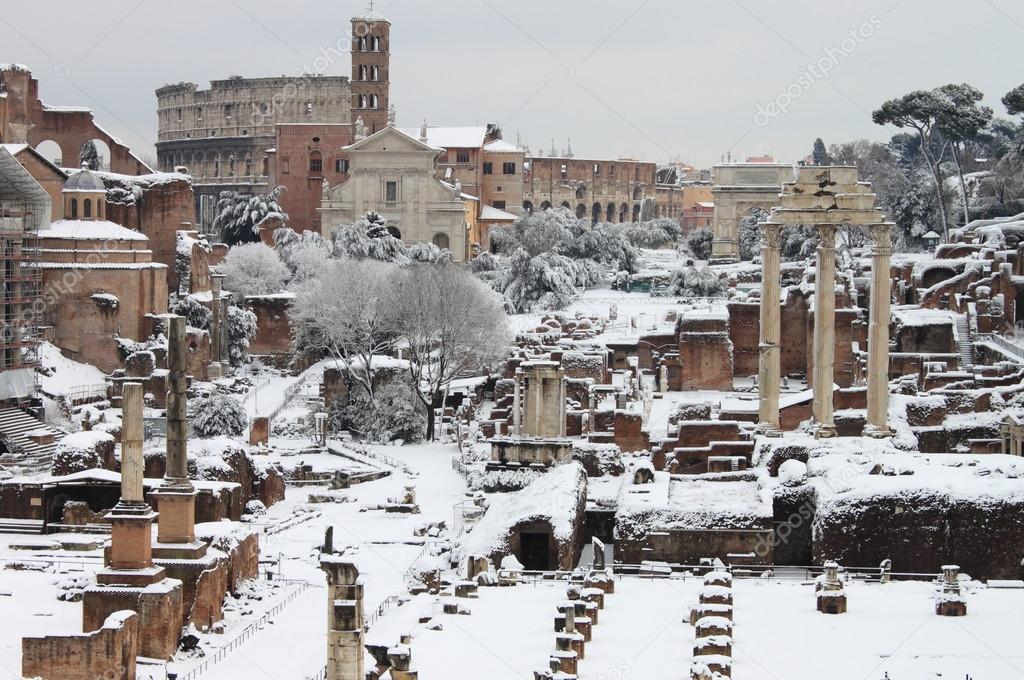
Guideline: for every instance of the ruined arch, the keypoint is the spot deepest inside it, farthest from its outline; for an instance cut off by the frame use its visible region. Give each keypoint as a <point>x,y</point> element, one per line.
<point>610,215</point>
<point>102,160</point>
<point>624,212</point>
<point>51,151</point>
<point>636,212</point>
<point>442,241</point>
<point>546,205</point>
<point>565,204</point>
<point>581,211</point>
<point>595,214</point>
<point>528,206</point>
<point>395,231</point>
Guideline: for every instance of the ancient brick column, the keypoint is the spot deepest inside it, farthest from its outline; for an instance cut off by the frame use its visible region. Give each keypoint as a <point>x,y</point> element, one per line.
<point>132,433</point>
<point>176,496</point>
<point>824,330</point>
<point>770,365</point>
<point>878,339</point>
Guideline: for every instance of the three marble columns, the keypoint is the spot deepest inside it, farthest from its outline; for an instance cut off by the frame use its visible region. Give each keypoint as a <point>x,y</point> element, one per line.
<point>824,332</point>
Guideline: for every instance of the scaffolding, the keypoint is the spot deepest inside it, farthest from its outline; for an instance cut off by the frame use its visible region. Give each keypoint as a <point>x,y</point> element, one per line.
<point>24,210</point>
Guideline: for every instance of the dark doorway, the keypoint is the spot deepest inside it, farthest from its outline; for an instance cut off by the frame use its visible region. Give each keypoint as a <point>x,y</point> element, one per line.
<point>535,549</point>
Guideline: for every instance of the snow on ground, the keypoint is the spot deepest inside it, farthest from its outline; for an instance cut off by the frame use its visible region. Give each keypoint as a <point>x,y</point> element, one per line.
<point>60,373</point>
<point>382,545</point>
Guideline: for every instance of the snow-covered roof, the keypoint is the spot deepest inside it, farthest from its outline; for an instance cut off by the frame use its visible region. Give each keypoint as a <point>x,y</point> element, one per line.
<point>14,149</point>
<point>370,15</point>
<point>501,146</point>
<point>90,230</point>
<point>451,137</point>
<point>489,213</point>
<point>85,180</point>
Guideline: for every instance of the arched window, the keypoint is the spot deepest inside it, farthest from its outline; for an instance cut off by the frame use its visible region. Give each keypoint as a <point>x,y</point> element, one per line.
<point>581,211</point>
<point>528,206</point>
<point>546,205</point>
<point>362,44</point>
<point>87,209</point>
<point>442,241</point>
<point>231,165</point>
<point>248,166</point>
<point>316,162</point>
<point>74,208</point>
<point>376,72</point>
<point>216,167</point>
<point>610,214</point>
<point>376,44</point>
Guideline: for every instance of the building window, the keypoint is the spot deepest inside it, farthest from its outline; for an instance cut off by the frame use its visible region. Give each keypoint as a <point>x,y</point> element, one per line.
<point>376,44</point>
<point>341,165</point>
<point>199,113</point>
<point>597,169</point>
<point>488,168</point>
<point>565,171</point>
<point>362,44</point>
<point>87,212</point>
<point>179,115</point>
<point>363,72</point>
<point>74,208</point>
<point>391,192</point>
<point>316,162</point>
<point>500,205</point>
<point>227,110</point>
<point>462,157</point>
<point>286,166</point>
<point>499,190</point>
<point>309,108</point>
<point>611,171</point>
<point>376,72</point>
<point>508,169</point>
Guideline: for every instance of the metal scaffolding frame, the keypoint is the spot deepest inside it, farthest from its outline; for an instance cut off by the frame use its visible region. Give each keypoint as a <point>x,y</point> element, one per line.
<point>24,209</point>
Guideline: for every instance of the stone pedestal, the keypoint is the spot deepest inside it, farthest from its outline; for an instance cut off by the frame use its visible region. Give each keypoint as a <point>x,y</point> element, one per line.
<point>770,361</point>
<point>345,654</point>
<point>831,596</point>
<point>878,340</point>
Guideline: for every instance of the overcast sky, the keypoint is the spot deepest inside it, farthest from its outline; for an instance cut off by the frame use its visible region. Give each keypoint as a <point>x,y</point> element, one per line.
<point>649,79</point>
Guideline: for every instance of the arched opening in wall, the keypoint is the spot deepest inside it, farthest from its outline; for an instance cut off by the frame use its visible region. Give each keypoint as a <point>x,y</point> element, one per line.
<point>394,231</point>
<point>636,212</point>
<point>623,212</point>
<point>231,165</point>
<point>248,165</point>
<point>87,209</point>
<point>581,191</point>
<point>198,167</point>
<point>565,204</point>
<point>595,213</point>
<point>581,211</point>
<point>442,241</point>
<point>216,166</point>
<point>74,209</point>
<point>265,170</point>
<point>637,193</point>
<point>50,150</point>
<point>528,206</point>
<point>936,275</point>
<point>546,205</point>
<point>96,154</point>
<point>610,214</point>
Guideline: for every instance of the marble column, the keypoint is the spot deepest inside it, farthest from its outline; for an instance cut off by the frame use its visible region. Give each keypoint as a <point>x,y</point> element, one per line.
<point>878,338</point>
<point>770,362</point>
<point>132,431</point>
<point>824,330</point>
<point>216,369</point>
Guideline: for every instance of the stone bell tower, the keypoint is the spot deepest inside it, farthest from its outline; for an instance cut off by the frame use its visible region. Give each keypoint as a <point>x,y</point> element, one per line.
<point>371,69</point>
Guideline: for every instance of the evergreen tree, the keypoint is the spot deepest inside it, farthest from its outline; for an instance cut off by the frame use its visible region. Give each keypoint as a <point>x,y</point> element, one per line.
<point>90,156</point>
<point>239,216</point>
<point>819,154</point>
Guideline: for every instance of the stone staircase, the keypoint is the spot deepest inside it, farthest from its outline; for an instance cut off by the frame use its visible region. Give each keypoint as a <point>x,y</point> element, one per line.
<point>963,331</point>
<point>21,526</point>
<point>26,456</point>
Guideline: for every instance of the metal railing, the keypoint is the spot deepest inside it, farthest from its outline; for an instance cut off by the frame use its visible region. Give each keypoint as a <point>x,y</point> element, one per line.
<point>246,633</point>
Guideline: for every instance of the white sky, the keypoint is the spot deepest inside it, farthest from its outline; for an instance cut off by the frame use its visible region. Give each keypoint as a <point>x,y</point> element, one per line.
<point>649,79</point>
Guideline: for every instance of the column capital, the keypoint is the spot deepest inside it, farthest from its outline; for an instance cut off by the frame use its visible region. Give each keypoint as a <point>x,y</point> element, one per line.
<point>826,235</point>
<point>881,236</point>
<point>772,234</point>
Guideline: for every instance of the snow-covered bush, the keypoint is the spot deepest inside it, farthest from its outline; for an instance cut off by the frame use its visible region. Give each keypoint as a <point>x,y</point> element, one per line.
<point>654,234</point>
<point>306,255</point>
<point>81,451</point>
<point>693,282</point>
<point>219,415</point>
<point>241,331</point>
<point>395,414</point>
<point>484,262</point>
<point>699,243</point>
<point>254,269</point>
<point>197,315</point>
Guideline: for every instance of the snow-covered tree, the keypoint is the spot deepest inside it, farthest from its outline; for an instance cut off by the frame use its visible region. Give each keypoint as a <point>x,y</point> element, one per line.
<point>240,216</point>
<point>254,269</point>
<point>197,315</point>
<point>348,314</point>
<point>428,253</point>
<point>241,331</point>
<point>657,233</point>
<point>749,238</point>
<point>961,119</point>
<point>484,262</point>
<point>450,323</point>
<point>798,242</point>
<point>699,242</point>
<point>90,155</point>
<point>369,238</point>
<point>1014,101</point>
<point>219,415</point>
